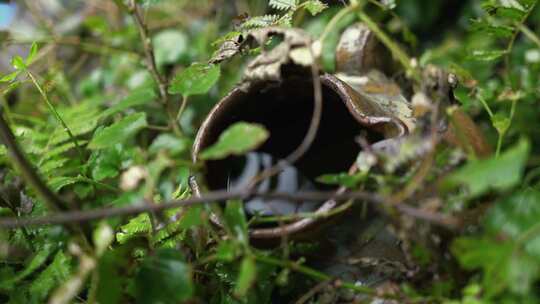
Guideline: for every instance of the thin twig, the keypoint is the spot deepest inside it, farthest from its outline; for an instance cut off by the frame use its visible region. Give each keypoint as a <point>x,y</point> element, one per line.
<point>427,162</point>
<point>513,38</point>
<point>529,34</point>
<point>323,277</point>
<point>302,215</point>
<point>148,51</point>
<point>57,115</point>
<point>334,21</point>
<point>182,108</point>
<point>509,48</point>
<point>312,292</point>
<point>97,47</point>
<point>161,81</point>
<point>310,134</point>
<point>223,195</point>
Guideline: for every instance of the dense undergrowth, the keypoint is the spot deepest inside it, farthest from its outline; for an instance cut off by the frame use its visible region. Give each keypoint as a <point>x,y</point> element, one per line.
<point>106,109</point>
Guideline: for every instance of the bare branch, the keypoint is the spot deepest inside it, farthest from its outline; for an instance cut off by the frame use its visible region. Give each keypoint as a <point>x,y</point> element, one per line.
<point>161,81</point>
<point>222,195</point>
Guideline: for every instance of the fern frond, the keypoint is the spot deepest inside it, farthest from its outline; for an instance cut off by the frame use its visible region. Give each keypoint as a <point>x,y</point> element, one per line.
<point>260,21</point>
<point>314,6</point>
<point>137,226</point>
<point>283,5</point>
<point>286,20</point>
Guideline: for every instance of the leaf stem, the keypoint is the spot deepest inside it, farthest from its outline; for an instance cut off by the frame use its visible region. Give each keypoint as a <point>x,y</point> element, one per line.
<point>57,115</point>
<point>510,45</point>
<point>333,22</point>
<point>485,105</point>
<point>297,216</point>
<point>501,135</point>
<point>78,216</point>
<point>499,144</point>
<point>394,48</point>
<point>134,10</point>
<point>182,108</point>
<point>320,276</point>
<point>529,34</point>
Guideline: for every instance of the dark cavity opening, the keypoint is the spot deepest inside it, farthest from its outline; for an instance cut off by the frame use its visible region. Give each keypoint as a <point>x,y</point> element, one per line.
<point>286,109</point>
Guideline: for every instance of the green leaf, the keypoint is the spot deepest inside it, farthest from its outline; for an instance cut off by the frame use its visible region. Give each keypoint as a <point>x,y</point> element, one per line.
<point>164,278</point>
<point>484,26</point>
<point>112,279</point>
<point>119,131</point>
<point>236,220</point>
<point>282,5</point>
<point>192,217</point>
<point>510,13</point>
<point>58,150</point>
<point>509,251</point>
<point>18,63</point>
<point>35,262</point>
<point>32,53</point>
<point>473,253</point>
<point>246,277</point>
<point>81,119</point>
<point>490,256</point>
<point>523,270</point>
<point>106,163</point>
<point>260,21</point>
<point>56,273</point>
<point>516,221</point>
<point>170,143</point>
<point>238,139</point>
<point>515,4</point>
<point>343,179</point>
<point>9,77</point>
<point>498,173</point>
<point>59,182</point>
<point>314,6</point>
<point>515,216</point>
<point>169,45</point>
<point>196,79</point>
<point>51,165</point>
<point>501,123</point>
<point>226,251</point>
<point>487,55</point>
<point>137,226</point>
<point>136,98</point>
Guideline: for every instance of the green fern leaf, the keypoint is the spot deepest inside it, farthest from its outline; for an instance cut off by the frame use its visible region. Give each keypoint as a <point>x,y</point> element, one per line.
<point>260,21</point>
<point>136,227</point>
<point>60,149</point>
<point>38,260</point>
<point>59,182</point>
<point>58,271</point>
<point>283,5</point>
<point>50,165</point>
<point>314,6</point>
<point>286,20</point>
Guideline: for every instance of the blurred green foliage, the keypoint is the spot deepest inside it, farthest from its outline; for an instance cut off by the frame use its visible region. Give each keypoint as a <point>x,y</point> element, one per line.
<point>121,150</point>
